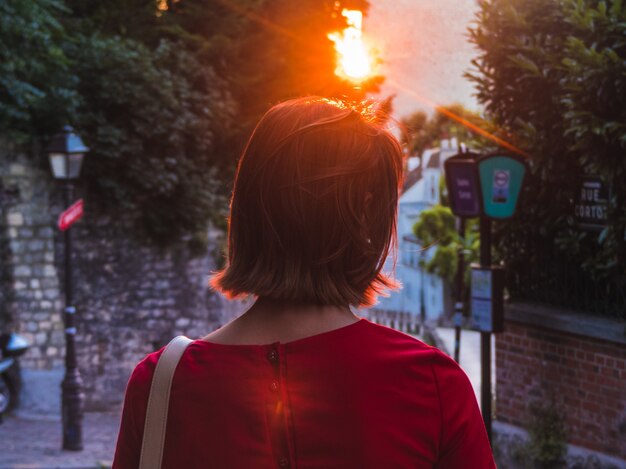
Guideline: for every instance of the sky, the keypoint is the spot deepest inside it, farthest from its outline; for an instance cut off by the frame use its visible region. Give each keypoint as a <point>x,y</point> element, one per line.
<point>425,51</point>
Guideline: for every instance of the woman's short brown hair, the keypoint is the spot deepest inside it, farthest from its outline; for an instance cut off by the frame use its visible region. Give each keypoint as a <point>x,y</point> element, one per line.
<point>314,206</point>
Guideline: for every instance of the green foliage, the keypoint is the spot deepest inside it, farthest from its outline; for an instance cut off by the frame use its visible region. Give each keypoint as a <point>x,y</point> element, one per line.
<point>164,97</point>
<point>422,132</point>
<point>547,446</point>
<point>149,117</point>
<point>267,51</point>
<point>37,93</point>
<point>553,76</point>
<point>436,226</point>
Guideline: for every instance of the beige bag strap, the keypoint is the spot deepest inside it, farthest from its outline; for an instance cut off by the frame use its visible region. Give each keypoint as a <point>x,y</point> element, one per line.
<point>158,403</point>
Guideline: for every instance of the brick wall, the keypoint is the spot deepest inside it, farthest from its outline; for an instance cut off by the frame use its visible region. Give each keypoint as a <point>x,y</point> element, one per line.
<point>585,376</point>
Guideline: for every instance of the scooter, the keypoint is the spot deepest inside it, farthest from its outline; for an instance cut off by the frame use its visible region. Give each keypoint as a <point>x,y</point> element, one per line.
<point>11,347</point>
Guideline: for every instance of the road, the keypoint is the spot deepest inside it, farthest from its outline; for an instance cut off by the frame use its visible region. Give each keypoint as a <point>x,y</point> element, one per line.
<point>469,355</point>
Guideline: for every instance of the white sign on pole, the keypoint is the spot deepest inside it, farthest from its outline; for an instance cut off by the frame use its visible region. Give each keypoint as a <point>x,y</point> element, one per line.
<point>481,300</point>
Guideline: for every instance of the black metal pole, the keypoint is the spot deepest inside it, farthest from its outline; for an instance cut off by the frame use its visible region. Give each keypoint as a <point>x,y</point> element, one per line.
<point>72,397</point>
<point>458,306</point>
<point>422,297</point>
<point>485,337</point>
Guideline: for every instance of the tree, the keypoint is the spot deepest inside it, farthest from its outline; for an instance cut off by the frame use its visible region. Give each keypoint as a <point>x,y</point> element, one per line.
<point>553,75</point>
<point>436,227</point>
<point>164,93</point>
<point>150,119</point>
<point>450,121</point>
<point>35,77</point>
<point>268,51</point>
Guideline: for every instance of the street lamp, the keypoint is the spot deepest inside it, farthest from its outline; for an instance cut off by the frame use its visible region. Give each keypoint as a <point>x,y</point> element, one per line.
<point>422,293</point>
<point>66,151</point>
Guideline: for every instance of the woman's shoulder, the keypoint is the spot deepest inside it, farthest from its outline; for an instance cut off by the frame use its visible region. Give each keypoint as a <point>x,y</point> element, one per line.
<point>141,377</point>
<point>411,349</point>
<point>386,336</point>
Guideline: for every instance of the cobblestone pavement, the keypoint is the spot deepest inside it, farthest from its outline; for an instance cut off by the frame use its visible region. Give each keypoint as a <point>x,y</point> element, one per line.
<point>27,443</point>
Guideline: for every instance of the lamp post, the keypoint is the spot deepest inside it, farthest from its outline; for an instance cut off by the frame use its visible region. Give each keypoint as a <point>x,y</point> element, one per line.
<point>422,294</point>
<point>66,151</point>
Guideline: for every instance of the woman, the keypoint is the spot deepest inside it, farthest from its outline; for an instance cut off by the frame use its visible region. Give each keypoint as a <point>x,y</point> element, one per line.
<point>299,380</point>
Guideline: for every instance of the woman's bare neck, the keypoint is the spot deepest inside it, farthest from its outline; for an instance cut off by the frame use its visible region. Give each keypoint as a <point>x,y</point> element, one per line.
<point>270,320</point>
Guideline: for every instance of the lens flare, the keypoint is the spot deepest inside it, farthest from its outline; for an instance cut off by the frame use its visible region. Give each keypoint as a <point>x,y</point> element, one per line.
<point>354,61</point>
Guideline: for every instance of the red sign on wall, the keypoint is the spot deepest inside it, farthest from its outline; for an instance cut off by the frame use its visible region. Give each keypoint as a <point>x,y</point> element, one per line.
<point>72,214</point>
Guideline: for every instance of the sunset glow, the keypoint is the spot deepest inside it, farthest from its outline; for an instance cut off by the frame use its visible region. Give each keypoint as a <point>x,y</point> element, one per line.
<point>354,61</point>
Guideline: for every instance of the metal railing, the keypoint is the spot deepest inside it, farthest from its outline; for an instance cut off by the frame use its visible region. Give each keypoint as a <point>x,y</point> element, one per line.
<point>546,274</point>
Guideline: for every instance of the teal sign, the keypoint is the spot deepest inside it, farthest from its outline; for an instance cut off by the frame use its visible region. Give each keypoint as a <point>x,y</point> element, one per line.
<point>501,179</point>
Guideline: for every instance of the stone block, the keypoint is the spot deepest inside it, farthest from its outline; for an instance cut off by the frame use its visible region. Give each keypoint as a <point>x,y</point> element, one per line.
<point>41,316</point>
<point>12,233</point>
<point>38,294</point>
<point>34,283</point>
<point>18,285</point>
<point>165,302</point>
<point>57,337</point>
<point>17,169</point>
<point>36,245</point>
<point>41,338</point>
<point>45,304</point>
<point>48,256</point>
<point>25,233</point>
<point>27,258</point>
<point>182,322</point>
<point>31,326</point>
<point>15,219</point>
<point>162,285</point>
<point>49,282</point>
<point>52,351</point>
<point>45,232</point>
<point>22,271</point>
<point>49,271</point>
<point>17,247</point>
<point>51,293</point>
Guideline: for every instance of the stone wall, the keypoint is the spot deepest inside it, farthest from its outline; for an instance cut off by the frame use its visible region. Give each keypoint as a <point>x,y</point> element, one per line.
<point>574,362</point>
<point>131,296</point>
<point>132,299</point>
<point>31,302</point>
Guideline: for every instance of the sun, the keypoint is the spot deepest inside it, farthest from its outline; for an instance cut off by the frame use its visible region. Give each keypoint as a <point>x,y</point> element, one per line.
<point>354,60</point>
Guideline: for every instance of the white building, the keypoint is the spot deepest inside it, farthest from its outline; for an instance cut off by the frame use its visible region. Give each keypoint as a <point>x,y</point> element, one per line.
<point>403,308</point>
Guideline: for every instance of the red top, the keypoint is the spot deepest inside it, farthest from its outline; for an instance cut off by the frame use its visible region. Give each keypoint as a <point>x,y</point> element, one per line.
<point>362,396</point>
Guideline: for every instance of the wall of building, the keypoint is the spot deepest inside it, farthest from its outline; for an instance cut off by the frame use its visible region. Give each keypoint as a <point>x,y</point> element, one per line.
<point>577,363</point>
<point>131,296</point>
